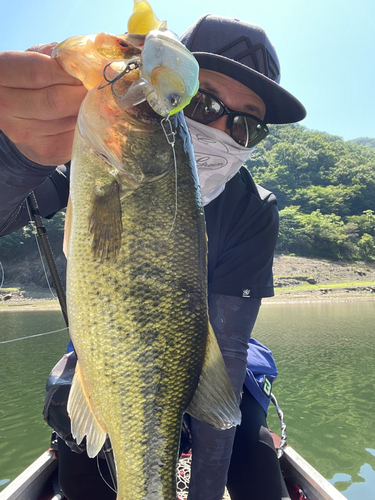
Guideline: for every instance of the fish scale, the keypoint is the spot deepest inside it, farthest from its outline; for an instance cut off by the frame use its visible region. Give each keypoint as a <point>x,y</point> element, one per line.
<point>157,327</point>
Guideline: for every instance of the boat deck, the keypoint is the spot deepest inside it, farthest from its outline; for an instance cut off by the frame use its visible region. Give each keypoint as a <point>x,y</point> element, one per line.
<point>39,480</point>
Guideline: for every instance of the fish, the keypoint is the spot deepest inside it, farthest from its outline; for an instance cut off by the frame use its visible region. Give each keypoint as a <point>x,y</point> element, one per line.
<point>136,250</point>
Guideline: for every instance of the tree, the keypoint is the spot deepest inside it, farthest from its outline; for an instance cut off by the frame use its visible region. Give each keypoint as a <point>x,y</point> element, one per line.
<point>364,222</point>
<point>22,242</point>
<point>315,235</point>
<point>327,199</point>
<point>367,247</point>
<point>365,141</point>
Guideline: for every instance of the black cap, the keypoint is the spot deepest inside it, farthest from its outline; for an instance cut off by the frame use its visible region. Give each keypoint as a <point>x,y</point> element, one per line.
<point>244,52</point>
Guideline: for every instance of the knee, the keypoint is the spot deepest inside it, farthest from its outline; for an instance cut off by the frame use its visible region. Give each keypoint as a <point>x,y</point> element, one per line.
<point>265,438</point>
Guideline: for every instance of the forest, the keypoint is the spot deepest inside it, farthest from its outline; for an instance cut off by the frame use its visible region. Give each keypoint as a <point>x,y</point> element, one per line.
<point>325,189</point>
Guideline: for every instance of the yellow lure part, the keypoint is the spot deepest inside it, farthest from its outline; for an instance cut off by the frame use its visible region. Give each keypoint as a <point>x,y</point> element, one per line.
<point>144,19</point>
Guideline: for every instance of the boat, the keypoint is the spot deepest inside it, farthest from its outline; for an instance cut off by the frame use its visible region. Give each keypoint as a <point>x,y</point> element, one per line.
<point>39,480</point>
<point>302,479</point>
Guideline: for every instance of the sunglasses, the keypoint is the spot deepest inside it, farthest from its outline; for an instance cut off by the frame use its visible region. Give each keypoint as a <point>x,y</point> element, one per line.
<point>247,130</point>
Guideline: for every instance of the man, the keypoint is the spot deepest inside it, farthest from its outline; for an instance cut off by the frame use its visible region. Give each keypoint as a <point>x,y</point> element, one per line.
<point>239,93</point>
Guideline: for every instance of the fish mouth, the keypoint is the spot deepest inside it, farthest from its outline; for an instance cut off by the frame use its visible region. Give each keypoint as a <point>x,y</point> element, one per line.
<point>144,113</point>
<point>141,112</point>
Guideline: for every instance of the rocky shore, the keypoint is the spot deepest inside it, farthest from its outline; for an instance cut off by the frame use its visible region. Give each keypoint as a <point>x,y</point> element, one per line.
<point>296,279</point>
<point>303,279</point>
<point>12,299</point>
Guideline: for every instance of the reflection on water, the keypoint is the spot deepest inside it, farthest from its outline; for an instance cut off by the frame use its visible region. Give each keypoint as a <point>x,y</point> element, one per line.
<point>325,355</point>
<point>24,367</point>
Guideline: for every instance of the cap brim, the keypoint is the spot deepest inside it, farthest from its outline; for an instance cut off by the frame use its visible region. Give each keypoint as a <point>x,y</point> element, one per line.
<point>281,106</point>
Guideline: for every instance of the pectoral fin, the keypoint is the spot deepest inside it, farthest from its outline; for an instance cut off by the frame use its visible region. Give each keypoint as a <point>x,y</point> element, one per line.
<point>105,222</point>
<point>214,401</point>
<point>84,422</point>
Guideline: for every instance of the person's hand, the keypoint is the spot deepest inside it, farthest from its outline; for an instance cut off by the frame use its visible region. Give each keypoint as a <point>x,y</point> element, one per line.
<point>39,103</point>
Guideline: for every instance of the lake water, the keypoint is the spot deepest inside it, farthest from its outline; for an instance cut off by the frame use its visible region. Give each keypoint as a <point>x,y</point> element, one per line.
<point>325,354</point>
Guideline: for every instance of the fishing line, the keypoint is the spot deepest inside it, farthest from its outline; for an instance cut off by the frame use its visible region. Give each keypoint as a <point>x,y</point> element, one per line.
<point>40,253</point>
<point>166,125</point>
<point>33,336</point>
<point>3,276</point>
<point>101,475</point>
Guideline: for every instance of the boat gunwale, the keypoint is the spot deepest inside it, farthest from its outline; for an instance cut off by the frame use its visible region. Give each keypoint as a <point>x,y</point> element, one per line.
<point>30,483</point>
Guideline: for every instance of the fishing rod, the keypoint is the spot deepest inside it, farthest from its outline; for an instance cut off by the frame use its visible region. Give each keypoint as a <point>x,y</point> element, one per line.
<point>43,237</point>
<point>42,233</point>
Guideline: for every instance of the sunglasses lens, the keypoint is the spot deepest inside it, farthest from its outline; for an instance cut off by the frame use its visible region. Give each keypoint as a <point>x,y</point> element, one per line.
<point>203,108</point>
<point>247,132</point>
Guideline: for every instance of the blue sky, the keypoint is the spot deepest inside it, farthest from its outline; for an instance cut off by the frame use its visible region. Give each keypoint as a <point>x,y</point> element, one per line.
<point>326,47</point>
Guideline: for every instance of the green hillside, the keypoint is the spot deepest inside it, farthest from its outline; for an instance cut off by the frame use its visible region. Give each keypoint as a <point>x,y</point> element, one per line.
<point>325,189</point>
<point>364,141</point>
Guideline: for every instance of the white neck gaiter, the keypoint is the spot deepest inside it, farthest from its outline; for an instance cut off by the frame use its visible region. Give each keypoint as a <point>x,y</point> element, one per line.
<point>218,158</point>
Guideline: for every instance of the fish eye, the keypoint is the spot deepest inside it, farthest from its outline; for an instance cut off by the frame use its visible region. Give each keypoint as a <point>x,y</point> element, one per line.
<point>122,43</point>
<point>174,100</point>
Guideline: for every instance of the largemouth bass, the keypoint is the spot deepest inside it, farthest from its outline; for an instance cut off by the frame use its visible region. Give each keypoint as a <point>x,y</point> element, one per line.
<point>136,279</point>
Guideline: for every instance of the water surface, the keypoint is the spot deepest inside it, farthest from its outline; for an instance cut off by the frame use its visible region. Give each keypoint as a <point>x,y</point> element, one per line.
<point>24,368</point>
<point>325,354</point>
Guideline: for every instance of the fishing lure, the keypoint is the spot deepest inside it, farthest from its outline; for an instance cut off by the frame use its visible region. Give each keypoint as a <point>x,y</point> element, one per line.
<point>168,71</point>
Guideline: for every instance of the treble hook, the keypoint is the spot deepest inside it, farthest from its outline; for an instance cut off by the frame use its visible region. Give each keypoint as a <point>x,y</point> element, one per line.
<point>132,65</point>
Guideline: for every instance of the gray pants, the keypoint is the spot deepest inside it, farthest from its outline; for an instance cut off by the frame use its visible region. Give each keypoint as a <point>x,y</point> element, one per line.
<point>232,319</point>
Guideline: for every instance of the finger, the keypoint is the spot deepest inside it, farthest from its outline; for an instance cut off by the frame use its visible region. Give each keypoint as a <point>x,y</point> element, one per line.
<point>29,132</point>
<point>57,101</point>
<point>50,151</point>
<point>31,70</point>
<point>43,48</point>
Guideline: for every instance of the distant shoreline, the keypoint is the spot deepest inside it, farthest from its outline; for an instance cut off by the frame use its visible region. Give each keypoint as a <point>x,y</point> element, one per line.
<point>297,280</point>
<point>334,298</point>
<point>30,305</point>
<point>315,297</point>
